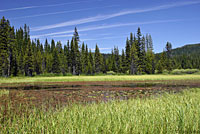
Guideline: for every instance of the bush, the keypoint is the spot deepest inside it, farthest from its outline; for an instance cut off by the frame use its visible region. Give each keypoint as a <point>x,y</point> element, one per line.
<point>185,71</point>
<point>110,73</point>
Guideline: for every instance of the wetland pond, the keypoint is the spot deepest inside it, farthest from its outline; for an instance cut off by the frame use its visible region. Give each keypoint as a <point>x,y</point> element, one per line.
<point>64,93</point>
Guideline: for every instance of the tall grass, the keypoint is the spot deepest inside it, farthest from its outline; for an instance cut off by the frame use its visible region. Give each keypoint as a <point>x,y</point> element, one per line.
<point>99,78</point>
<point>3,92</point>
<point>169,114</point>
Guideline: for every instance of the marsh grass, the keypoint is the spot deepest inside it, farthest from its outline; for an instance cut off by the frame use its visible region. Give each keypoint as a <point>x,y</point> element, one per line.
<point>170,113</point>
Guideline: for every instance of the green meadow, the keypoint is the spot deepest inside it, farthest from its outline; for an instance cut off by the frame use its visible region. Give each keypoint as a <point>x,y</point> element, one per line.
<point>100,78</point>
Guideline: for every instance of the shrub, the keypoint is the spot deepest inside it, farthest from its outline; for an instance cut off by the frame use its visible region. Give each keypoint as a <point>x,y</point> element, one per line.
<point>185,71</point>
<point>111,73</point>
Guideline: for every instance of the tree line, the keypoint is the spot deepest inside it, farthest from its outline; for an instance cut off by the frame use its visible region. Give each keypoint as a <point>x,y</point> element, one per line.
<point>21,56</point>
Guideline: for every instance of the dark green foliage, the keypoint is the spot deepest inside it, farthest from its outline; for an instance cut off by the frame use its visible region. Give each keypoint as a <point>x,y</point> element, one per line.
<point>77,58</point>
<point>134,60</point>
<point>117,60</point>
<point>28,60</point>
<point>38,58</point>
<point>123,62</point>
<point>162,62</point>
<point>83,58</point>
<point>76,35</point>
<point>55,61</point>
<point>98,60</point>
<point>165,62</point>
<point>53,45</point>
<point>150,57</point>
<point>4,31</point>
<point>90,67</point>
<point>86,60</point>
<point>150,62</point>
<point>169,56</point>
<point>128,50</point>
<point>139,49</point>
<point>113,64</point>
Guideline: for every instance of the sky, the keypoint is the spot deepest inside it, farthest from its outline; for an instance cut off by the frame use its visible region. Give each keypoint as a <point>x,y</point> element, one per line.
<point>107,22</point>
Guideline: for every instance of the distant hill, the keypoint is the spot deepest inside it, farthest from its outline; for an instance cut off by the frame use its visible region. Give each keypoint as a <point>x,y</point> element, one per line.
<point>187,50</point>
<point>190,49</point>
<point>185,57</point>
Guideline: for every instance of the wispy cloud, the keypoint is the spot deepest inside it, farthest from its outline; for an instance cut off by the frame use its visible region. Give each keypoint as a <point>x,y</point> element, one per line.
<point>98,27</point>
<point>104,38</point>
<point>102,48</point>
<point>61,12</point>
<point>56,36</point>
<point>52,5</point>
<point>65,35</point>
<point>105,17</point>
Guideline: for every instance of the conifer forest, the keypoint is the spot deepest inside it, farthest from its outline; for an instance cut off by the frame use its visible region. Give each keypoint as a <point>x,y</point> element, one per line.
<point>21,56</point>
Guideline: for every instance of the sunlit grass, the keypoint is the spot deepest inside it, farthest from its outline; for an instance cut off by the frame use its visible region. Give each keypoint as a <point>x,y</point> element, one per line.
<point>177,113</point>
<point>99,78</point>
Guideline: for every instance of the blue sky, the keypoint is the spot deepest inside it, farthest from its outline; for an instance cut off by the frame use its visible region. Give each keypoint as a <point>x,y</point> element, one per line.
<point>107,22</point>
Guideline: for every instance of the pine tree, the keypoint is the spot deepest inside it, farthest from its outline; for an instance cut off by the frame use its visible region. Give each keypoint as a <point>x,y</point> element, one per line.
<point>162,62</point>
<point>123,60</point>
<point>150,43</point>
<point>131,39</point>
<point>68,55</point>
<point>86,58</point>
<point>149,64</point>
<point>12,56</point>
<point>38,59</point>
<point>61,57</point>
<point>73,58</point>
<point>19,53</point>
<point>46,46</point>
<point>98,60</point>
<point>62,60</point>
<point>53,45</point>
<point>28,60</point>
<point>83,58</point>
<point>55,61</point>
<point>76,35</point>
<point>113,62</point>
<point>4,63</point>
<point>143,55</point>
<point>128,49</point>
<point>134,59</point>
<point>150,58</point>
<point>46,52</point>
<point>49,63</point>
<point>159,66</point>
<point>77,58</point>
<point>168,56</point>
<point>38,63</point>
<point>104,65</point>
<point>66,51</point>
<point>117,59</point>
<point>90,67</point>
<point>140,67</point>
